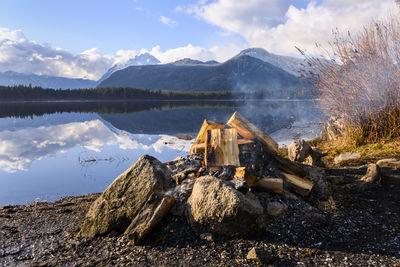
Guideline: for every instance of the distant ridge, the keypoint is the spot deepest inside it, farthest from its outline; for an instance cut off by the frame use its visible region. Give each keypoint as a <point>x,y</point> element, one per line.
<point>240,73</point>
<point>11,78</point>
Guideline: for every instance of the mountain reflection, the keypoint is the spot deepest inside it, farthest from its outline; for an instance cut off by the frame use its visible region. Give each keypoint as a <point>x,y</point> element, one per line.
<point>18,149</point>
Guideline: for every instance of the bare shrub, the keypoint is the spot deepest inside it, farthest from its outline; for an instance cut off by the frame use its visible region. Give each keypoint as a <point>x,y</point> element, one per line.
<point>362,81</point>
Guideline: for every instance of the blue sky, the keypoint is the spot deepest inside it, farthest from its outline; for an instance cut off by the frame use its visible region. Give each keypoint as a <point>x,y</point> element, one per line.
<point>78,25</point>
<point>95,34</point>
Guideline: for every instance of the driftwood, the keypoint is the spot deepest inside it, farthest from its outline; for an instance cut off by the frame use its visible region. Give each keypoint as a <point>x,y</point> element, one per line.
<point>222,148</point>
<point>201,136</point>
<point>269,184</point>
<point>299,185</point>
<point>250,131</point>
<point>289,166</point>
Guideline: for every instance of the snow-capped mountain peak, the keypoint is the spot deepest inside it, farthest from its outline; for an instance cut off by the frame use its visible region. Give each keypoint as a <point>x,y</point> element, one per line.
<point>142,59</point>
<point>290,64</point>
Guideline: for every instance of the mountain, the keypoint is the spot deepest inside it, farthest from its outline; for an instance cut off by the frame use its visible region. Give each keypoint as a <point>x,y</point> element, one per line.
<point>11,78</point>
<point>242,72</point>
<point>292,65</point>
<point>189,61</point>
<point>139,60</point>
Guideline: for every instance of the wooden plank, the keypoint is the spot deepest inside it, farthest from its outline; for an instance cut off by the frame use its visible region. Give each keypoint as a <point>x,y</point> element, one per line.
<point>299,185</point>
<point>245,141</point>
<point>289,166</point>
<point>244,173</point>
<point>201,136</point>
<point>270,184</point>
<point>199,148</point>
<point>221,148</point>
<point>250,131</point>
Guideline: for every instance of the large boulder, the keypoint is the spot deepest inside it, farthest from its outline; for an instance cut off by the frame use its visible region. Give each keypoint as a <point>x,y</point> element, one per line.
<point>126,197</point>
<point>215,206</point>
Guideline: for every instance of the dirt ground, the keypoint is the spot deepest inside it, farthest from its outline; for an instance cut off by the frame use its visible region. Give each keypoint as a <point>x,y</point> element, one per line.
<point>357,226</point>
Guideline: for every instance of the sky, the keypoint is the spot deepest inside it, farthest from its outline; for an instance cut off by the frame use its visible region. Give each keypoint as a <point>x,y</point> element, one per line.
<point>83,38</point>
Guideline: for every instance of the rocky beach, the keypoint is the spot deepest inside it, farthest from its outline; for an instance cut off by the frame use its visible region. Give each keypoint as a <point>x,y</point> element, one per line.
<point>362,229</point>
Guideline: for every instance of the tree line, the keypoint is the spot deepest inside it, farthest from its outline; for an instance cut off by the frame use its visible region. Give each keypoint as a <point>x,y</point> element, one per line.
<point>29,93</point>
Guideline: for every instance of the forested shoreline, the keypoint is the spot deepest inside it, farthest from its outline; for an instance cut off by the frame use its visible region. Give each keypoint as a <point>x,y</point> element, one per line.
<point>29,93</point>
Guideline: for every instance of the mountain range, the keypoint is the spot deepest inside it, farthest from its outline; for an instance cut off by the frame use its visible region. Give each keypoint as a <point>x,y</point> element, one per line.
<point>252,69</point>
<point>11,78</point>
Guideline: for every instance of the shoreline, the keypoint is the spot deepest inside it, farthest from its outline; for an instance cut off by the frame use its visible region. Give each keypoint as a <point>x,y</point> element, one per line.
<point>361,229</point>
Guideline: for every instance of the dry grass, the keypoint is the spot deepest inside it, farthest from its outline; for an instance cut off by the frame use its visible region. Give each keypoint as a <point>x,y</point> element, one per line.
<point>362,83</point>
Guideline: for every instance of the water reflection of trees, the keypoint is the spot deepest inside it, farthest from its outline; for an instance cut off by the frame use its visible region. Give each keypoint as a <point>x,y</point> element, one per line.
<point>29,109</point>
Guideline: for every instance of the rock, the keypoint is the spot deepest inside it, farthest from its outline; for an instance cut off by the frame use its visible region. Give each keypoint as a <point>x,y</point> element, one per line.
<point>315,159</point>
<point>347,156</point>
<point>150,215</point>
<point>333,128</point>
<point>125,198</point>
<point>373,174</point>
<point>260,255</point>
<point>207,237</point>
<point>216,207</point>
<point>389,163</point>
<point>321,188</point>
<point>275,208</point>
<point>299,150</point>
<point>180,176</point>
<point>240,184</point>
<point>186,137</point>
<point>181,194</point>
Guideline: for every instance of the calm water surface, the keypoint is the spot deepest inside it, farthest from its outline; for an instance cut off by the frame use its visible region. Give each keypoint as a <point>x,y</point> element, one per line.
<point>52,150</point>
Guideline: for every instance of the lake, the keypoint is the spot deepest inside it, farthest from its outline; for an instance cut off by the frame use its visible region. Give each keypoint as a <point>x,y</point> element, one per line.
<point>49,150</point>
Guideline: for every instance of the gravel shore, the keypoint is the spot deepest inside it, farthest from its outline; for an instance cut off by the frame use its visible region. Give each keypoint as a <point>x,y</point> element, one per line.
<point>360,227</point>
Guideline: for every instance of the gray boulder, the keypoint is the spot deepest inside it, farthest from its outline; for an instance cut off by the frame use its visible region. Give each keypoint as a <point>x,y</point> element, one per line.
<point>299,150</point>
<point>333,128</point>
<point>214,206</point>
<point>126,197</point>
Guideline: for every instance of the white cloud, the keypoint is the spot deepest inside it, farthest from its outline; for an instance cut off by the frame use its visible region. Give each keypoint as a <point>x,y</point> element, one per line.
<point>22,55</point>
<point>168,21</point>
<point>279,26</point>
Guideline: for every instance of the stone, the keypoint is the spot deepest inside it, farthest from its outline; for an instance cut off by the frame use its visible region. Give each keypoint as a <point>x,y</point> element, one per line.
<point>259,255</point>
<point>150,215</point>
<point>180,176</point>
<point>321,188</point>
<point>389,163</point>
<point>299,150</point>
<point>373,174</point>
<point>207,237</point>
<point>333,128</point>
<point>315,158</point>
<point>125,198</point>
<point>240,184</point>
<point>275,208</point>
<point>347,156</point>
<point>216,207</point>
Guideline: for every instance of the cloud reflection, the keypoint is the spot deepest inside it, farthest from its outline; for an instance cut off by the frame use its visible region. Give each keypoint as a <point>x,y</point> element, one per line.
<point>18,149</point>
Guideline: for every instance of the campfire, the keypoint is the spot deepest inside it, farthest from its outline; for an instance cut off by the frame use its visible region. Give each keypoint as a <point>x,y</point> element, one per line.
<point>213,187</point>
<point>241,145</point>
